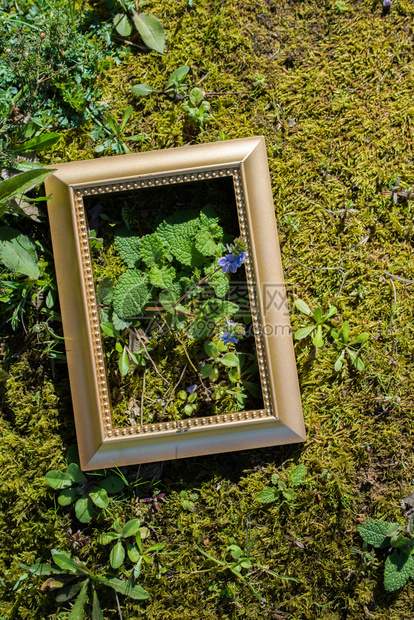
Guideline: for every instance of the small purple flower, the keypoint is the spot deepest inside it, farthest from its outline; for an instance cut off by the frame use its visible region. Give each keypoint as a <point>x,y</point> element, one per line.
<point>227,338</point>
<point>387,3</point>
<point>191,389</point>
<point>227,263</point>
<point>230,323</point>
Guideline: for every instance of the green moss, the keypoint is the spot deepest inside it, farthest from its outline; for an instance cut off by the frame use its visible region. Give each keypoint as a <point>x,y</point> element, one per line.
<point>337,114</point>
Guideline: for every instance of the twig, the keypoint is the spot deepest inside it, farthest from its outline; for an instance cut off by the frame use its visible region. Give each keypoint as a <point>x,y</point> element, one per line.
<point>175,387</point>
<point>149,357</point>
<point>387,273</point>
<point>119,607</point>
<point>320,268</point>
<point>142,398</point>
<point>206,390</point>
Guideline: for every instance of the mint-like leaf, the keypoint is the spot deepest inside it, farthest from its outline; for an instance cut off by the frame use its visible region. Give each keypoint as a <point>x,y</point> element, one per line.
<point>127,244</point>
<point>131,293</point>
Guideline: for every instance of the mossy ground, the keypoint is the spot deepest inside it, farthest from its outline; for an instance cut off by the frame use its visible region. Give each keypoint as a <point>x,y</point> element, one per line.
<point>337,113</point>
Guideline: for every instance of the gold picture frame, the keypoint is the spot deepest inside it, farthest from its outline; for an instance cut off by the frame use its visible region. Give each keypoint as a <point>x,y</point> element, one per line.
<point>281,419</point>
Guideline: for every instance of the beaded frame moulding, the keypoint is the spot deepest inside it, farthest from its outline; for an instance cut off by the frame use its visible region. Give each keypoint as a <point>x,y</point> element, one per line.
<point>100,443</point>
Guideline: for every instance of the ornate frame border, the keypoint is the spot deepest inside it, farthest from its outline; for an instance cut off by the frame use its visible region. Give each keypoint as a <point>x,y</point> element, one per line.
<point>102,445</point>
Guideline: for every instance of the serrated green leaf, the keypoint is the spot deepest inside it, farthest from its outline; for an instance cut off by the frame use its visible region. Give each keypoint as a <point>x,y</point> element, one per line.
<point>99,497</point>
<point>374,532</point>
<point>206,245</point>
<point>127,243</point>
<point>152,249</point>
<point>219,281</point>
<point>268,495</point>
<point>67,496</point>
<point>75,473</point>
<point>122,24</point>
<point>398,568</point>
<point>219,308</point>
<point>297,476</point>
<point>178,233</point>
<point>131,528</point>
<point>58,479</point>
<point>131,294</point>
<point>112,484</point>
<point>83,509</point>
<point>142,90</point>
<point>18,253</point>
<point>162,277</point>
<point>200,328</point>
<point>117,555</point>
<point>151,30</point>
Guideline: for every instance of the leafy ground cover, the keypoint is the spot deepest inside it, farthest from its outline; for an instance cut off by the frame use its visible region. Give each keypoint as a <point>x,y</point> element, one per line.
<point>270,533</point>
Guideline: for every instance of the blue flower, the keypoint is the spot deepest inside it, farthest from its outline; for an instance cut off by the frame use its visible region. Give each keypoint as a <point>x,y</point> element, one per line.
<point>191,389</point>
<point>227,338</point>
<point>240,259</point>
<point>228,263</point>
<point>387,3</point>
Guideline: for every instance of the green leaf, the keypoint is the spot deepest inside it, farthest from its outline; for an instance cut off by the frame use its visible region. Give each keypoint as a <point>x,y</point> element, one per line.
<point>99,497</point>
<point>339,362</point>
<point>304,331</point>
<point>178,76</point>
<point>123,362</point>
<point>83,509</point>
<point>96,608</point>
<point>105,290</point>
<point>332,310</point>
<point>122,24</point>
<point>117,555</point>
<point>211,349</point>
<point>37,143</point>
<point>131,294</point>
<point>302,307</point>
<point>268,495</point>
<point>196,96</point>
<point>58,479</point>
<point>3,375</point>
<point>67,564</point>
<point>137,568</point>
<point>360,339</point>
<point>374,532</point>
<point>69,591</point>
<point>22,182</point>
<point>345,331</point>
<point>200,328</point>
<point>133,552</point>
<point>151,30</point>
<point>230,359</point>
<point>75,473</point>
<point>218,308</point>
<point>317,315</point>
<point>77,609</point>
<point>356,360</point>
<point>318,339</point>
<point>112,484</point>
<point>125,587</point>
<point>67,496</point>
<point>142,90</point>
<point>127,243</point>
<point>131,528</point>
<point>207,371</point>
<point>255,389</point>
<point>398,568</point>
<point>206,245</point>
<point>162,277</point>
<point>18,253</point>
<point>297,476</point>
<point>152,249</point>
<point>108,537</point>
